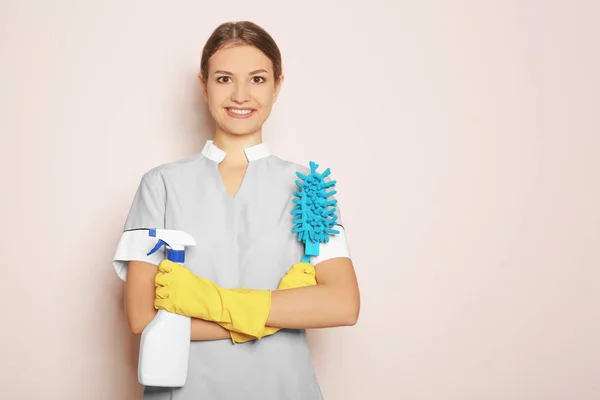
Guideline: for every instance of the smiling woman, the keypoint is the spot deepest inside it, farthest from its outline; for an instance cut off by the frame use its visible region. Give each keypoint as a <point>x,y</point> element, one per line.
<point>244,280</point>
<point>241,77</point>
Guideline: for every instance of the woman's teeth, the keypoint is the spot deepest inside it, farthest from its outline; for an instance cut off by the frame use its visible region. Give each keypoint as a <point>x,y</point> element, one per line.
<point>241,112</point>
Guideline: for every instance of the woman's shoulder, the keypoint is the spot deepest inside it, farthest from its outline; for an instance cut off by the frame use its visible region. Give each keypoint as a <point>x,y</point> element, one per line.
<point>289,166</point>
<point>192,163</point>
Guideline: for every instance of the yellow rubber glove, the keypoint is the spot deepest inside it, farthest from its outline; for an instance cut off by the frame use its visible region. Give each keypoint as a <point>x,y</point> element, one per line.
<point>300,275</point>
<point>179,291</point>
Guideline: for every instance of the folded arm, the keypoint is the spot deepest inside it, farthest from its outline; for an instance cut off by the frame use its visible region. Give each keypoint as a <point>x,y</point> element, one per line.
<point>334,301</point>
<point>139,304</point>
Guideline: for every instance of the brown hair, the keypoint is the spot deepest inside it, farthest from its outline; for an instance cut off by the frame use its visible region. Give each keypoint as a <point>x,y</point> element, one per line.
<point>241,33</point>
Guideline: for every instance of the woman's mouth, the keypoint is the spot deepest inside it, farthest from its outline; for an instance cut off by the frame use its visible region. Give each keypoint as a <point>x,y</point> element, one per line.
<point>240,113</point>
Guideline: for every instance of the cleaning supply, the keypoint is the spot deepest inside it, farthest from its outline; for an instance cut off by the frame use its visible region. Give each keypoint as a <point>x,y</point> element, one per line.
<point>165,342</point>
<point>314,215</point>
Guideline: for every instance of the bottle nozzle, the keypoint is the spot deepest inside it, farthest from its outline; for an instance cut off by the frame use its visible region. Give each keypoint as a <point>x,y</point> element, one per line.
<point>175,240</point>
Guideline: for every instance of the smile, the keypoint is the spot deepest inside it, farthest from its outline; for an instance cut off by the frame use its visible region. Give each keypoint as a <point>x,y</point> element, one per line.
<point>239,113</point>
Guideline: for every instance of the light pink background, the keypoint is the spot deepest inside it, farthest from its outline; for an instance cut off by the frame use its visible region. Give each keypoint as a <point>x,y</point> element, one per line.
<point>464,138</point>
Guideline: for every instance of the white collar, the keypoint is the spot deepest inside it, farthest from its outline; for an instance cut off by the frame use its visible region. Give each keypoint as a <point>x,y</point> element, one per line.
<point>253,153</point>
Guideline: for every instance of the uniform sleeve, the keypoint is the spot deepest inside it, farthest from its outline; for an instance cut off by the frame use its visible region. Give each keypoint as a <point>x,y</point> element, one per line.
<point>147,212</point>
<point>337,246</point>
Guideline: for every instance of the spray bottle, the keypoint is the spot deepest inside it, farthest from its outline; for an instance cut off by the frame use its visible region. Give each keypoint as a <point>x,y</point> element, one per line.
<point>165,342</point>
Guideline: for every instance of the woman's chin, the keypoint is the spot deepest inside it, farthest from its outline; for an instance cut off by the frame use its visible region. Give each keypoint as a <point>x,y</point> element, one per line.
<point>237,130</point>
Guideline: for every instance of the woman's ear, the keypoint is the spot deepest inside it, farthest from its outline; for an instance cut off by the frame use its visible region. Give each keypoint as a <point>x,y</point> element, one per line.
<point>203,86</point>
<point>278,84</point>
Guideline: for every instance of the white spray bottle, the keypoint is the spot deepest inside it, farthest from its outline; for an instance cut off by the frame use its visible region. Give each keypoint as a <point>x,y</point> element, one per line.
<point>165,342</point>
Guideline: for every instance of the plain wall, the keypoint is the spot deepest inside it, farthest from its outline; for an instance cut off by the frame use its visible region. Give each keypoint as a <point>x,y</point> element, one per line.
<point>463,136</point>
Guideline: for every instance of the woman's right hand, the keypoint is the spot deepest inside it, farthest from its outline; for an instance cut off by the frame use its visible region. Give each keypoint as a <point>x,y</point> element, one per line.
<point>300,275</point>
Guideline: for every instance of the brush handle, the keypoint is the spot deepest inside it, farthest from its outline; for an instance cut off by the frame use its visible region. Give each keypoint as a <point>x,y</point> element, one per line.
<point>311,249</point>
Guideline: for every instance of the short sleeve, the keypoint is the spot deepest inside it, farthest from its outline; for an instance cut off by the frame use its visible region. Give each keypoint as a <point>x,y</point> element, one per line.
<point>337,246</point>
<point>147,211</point>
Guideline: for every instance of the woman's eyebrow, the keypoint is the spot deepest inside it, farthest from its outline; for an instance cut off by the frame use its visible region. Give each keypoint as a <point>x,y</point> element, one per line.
<point>258,71</point>
<point>231,74</point>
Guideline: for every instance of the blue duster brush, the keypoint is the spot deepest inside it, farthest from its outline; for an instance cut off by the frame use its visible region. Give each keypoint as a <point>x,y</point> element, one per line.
<point>314,215</point>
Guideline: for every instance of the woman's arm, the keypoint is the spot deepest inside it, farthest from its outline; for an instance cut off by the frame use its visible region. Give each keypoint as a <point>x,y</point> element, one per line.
<point>140,292</point>
<point>334,301</point>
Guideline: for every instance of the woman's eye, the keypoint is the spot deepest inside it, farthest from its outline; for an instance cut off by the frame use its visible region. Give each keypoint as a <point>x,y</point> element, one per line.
<point>222,78</point>
<point>258,79</point>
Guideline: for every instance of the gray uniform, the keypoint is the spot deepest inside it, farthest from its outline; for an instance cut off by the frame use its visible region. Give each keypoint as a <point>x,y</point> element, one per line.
<point>242,240</point>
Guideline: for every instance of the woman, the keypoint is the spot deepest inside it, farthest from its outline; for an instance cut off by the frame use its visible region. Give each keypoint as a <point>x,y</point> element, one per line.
<point>235,199</point>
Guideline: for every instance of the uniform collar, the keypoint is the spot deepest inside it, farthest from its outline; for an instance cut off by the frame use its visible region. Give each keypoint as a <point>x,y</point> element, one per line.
<point>253,153</point>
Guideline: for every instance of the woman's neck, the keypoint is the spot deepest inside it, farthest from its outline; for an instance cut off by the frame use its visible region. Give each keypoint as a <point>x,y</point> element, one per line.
<point>234,146</point>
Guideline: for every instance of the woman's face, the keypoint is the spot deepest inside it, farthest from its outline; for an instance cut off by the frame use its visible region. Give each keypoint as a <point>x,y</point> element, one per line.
<point>240,89</point>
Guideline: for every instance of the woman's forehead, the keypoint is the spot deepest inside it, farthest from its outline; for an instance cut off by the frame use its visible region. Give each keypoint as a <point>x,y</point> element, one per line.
<point>240,59</point>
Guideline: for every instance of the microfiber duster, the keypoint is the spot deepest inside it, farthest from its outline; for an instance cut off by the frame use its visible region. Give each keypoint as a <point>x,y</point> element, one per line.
<point>314,215</point>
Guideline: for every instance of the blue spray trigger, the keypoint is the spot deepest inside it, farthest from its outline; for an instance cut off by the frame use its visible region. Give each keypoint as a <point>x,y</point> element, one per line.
<point>174,240</point>
<point>159,244</point>
<point>173,255</point>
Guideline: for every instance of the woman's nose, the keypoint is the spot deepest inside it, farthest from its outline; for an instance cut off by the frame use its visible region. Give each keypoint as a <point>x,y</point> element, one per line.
<point>240,94</point>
